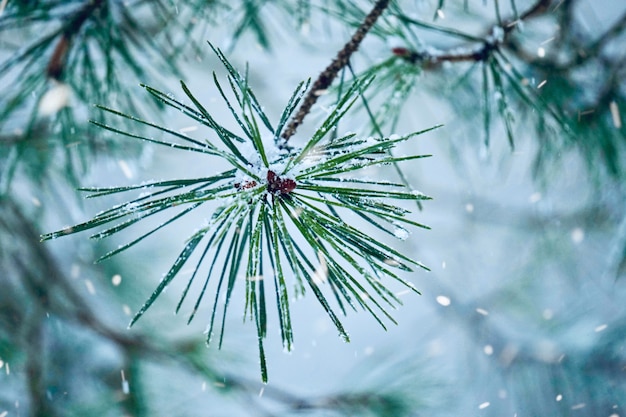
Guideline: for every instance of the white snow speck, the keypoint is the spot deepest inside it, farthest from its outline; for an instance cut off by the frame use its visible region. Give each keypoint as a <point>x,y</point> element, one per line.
<point>559,397</point>
<point>469,207</point>
<point>617,119</point>
<point>440,14</point>
<point>600,328</point>
<point>534,197</point>
<point>55,99</point>
<point>128,173</point>
<point>255,278</point>
<point>401,233</point>
<point>541,52</point>
<point>125,387</point>
<point>484,405</point>
<point>579,406</point>
<point>443,300</point>
<point>90,288</point>
<point>488,349</point>
<point>116,279</point>
<point>578,235</point>
<point>547,314</point>
<point>482,311</point>
<point>497,34</point>
<point>321,273</point>
<point>188,129</point>
<point>391,262</point>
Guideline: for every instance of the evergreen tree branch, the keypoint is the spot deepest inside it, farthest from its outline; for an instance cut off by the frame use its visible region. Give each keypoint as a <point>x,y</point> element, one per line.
<point>498,36</point>
<point>583,52</point>
<point>326,78</point>
<point>267,197</point>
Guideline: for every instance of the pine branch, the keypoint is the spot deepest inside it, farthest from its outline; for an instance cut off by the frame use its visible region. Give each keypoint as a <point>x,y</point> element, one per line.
<point>326,78</point>
<point>552,104</point>
<point>277,214</point>
<point>497,37</point>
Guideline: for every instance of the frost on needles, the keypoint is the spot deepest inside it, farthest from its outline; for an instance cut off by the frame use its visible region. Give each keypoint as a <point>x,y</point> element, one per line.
<point>280,225</point>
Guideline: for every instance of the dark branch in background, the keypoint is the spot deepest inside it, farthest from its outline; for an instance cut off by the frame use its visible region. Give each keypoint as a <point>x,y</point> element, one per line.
<point>59,56</point>
<point>583,52</point>
<point>491,43</point>
<point>498,38</point>
<point>326,78</point>
<point>537,10</point>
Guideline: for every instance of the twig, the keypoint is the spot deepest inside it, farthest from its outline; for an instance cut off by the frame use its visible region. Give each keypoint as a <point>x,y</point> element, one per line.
<point>326,78</point>
<point>478,54</point>
<point>56,65</point>
<point>537,10</point>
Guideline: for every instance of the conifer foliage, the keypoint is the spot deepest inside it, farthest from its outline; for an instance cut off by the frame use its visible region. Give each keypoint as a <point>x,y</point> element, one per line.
<point>290,204</point>
<point>277,214</point>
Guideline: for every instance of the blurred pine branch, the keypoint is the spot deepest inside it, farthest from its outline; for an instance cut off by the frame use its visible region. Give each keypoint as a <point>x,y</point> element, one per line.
<point>512,71</point>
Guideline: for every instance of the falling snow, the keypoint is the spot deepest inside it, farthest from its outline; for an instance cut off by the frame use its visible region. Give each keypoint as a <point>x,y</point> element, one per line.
<point>534,198</point>
<point>401,233</point>
<point>90,288</point>
<point>116,280</point>
<point>128,173</point>
<point>443,300</point>
<point>578,235</point>
<point>125,386</point>
<point>615,114</point>
<point>601,328</point>
<point>55,99</point>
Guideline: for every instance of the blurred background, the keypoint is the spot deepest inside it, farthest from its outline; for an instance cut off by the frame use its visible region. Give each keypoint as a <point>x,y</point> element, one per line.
<point>524,310</point>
